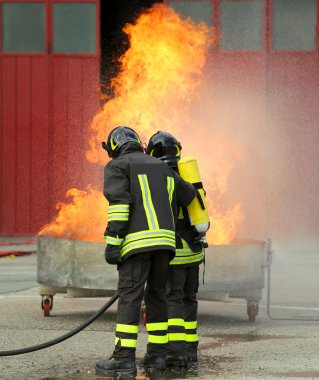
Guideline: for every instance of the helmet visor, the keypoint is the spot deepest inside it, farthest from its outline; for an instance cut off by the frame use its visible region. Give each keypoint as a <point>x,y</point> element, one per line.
<point>166,151</point>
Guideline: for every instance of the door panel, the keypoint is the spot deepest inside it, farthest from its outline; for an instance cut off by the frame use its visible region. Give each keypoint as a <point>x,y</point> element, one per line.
<point>9,156</point>
<point>293,114</point>
<point>41,123</point>
<point>23,143</point>
<point>48,100</point>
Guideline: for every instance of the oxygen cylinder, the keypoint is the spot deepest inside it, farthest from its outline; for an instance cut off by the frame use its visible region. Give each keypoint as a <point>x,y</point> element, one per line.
<point>197,209</point>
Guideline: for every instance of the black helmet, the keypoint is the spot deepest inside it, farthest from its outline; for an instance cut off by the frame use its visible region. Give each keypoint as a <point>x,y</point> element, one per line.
<point>164,146</point>
<point>118,137</point>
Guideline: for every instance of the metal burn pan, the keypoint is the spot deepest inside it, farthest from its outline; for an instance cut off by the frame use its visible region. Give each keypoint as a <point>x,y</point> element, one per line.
<point>78,268</point>
<point>236,270</point>
<point>75,267</point>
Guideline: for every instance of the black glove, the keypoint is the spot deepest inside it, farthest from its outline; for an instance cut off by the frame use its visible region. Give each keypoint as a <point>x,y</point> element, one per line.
<point>203,242</point>
<point>112,254</point>
<point>200,239</point>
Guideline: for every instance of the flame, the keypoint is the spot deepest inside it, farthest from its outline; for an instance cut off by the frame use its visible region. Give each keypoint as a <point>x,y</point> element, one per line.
<point>83,218</point>
<point>215,173</point>
<point>160,77</point>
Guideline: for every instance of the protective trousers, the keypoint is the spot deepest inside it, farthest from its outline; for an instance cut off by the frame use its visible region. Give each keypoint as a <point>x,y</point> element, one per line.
<point>182,309</point>
<point>150,268</point>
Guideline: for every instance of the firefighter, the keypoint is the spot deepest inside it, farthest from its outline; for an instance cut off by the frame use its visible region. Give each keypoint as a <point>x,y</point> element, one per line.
<point>183,277</point>
<point>142,193</point>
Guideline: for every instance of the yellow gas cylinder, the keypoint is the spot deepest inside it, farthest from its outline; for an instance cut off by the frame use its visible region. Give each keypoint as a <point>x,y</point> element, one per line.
<point>197,209</point>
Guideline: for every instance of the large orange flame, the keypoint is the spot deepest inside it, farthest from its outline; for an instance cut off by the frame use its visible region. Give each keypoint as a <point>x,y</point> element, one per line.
<point>217,159</point>
<point>159,79</point>
<point>159,74</point>
<point>83,218</point>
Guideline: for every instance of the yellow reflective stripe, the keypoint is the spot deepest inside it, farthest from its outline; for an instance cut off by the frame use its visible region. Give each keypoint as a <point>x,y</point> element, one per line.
<point>191,338</point>
<point>148,203</point>
<point>176,336</point>
<point>118,212</point>
<point>156,326</point>
<point>113,146</point>
<point>187,259</point>
<point>191,325</point>
<point>126,342</point>
<point>149,235</point>
<point>143,244</point>
<point>119,208</point>
<point>176,322</point>
<point>185,245</point>
<point>170,190</point>
<point>147,238</point>
<point>180,214</point>
<point>119,217</point>
<point>184,254</point>
<point>180,252</point>
<point>112,240</point>
<point>158,339</point>
<point>127,328</point>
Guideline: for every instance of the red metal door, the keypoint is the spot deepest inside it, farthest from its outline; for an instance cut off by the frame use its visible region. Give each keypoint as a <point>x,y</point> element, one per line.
<point>48,94</point>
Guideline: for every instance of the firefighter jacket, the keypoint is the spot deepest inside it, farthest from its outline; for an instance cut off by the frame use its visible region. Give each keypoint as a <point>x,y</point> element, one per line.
<point>143,194</point>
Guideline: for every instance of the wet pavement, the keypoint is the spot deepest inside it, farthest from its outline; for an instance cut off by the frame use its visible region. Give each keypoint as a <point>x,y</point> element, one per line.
<point>230,347</point>
<point>17,273</point>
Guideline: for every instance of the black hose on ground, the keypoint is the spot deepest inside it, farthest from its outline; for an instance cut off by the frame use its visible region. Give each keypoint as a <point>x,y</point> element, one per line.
<point>65,336</point>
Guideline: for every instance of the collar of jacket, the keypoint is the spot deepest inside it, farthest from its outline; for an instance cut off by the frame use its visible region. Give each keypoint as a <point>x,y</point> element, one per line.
<point>130,148</point>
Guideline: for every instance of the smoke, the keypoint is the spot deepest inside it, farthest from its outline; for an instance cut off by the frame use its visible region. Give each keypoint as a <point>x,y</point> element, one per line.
<point>268,129</point>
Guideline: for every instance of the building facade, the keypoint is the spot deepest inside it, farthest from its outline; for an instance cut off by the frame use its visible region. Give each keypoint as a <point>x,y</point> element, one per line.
<point>49,80</point>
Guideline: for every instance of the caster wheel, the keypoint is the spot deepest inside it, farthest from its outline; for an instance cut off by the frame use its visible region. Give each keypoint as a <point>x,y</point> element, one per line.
<point>47,305</point>
<point>252,311</point>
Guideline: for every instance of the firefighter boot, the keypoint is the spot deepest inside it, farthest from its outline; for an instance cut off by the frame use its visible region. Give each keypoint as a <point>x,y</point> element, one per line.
<point>177,360</point>
<point>114,367</point>
<point>191,348</point>
<point>153,362</point>
<point>192,356</point>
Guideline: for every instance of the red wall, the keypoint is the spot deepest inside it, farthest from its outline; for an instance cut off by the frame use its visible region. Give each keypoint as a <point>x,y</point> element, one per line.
<point>46,104</point>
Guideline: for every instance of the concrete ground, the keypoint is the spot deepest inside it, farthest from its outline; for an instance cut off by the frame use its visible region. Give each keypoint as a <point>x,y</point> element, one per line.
<point>230,346</point>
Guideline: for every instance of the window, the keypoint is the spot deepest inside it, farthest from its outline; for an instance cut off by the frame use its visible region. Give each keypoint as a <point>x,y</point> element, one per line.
<point>241,24</point>
<point>294,23</point>
<point>23,27</point>
<point>74,28</point>
<point>197,11</point>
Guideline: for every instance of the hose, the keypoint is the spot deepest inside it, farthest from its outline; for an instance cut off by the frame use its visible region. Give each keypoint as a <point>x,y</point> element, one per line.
<point>65,336</point>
